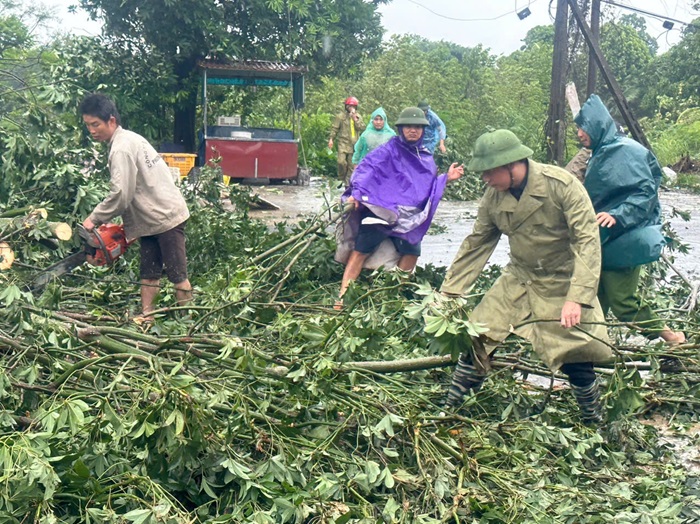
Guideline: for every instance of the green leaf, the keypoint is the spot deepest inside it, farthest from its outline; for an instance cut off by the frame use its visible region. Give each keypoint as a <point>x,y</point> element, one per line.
<point>204,486</point>
<point>113,418</point>
<point>178,418</point>
<point>628,401</point>
<point>385,426</point>
<point>373,471</point>
<point>237,469</point>
<point>182,381</point>
<point>389,481</point>
<point>138,516</point>
<point>10,294</point>
<point>81,469</point>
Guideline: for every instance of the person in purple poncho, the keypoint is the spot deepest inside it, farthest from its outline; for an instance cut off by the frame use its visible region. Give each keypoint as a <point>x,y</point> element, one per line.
<point>395,192</point>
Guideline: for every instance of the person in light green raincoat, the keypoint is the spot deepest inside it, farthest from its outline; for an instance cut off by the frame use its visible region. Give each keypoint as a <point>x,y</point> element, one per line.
<point>376,134</point>
<point>547,292</point>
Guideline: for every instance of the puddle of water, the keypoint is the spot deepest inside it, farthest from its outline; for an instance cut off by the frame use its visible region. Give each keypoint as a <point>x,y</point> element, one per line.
<point>456,219</point>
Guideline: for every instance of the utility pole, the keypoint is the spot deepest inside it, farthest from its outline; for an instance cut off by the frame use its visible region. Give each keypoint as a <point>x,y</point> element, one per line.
<point>555,130</point>
<point>595,32</point>
<point>635,129</point>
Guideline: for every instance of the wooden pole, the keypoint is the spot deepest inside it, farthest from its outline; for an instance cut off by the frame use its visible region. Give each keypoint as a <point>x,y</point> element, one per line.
<point>595,33</point>
<point>556,134</point>
<point>615,89</point>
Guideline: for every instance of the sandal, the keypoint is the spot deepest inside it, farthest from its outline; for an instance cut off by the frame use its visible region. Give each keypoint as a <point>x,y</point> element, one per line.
<point>143,320</point>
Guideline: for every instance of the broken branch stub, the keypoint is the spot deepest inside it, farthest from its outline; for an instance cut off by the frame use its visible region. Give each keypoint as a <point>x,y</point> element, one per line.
<point>7,256</point>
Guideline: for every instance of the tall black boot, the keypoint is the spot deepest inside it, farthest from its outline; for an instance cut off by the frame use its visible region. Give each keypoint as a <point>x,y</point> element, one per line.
<point>588,399</point>
<point>465,378</point>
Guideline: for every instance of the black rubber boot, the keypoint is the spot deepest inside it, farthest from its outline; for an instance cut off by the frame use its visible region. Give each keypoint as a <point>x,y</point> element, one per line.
<point>588,399</point>
<point>465,378</point>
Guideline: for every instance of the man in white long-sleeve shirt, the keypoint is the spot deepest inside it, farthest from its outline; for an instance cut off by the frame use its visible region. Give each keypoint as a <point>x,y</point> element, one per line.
<point>143,193</point>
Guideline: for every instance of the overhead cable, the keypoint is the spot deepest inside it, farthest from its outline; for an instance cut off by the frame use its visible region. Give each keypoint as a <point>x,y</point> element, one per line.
<point>468,19</point>
<point>648,13</point>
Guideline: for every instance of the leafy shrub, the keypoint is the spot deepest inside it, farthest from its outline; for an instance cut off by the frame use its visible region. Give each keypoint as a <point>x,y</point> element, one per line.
<point>315,130</point>
<point>680,140</point>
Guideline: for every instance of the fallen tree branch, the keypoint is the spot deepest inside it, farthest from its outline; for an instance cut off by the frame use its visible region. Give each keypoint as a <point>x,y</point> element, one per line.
<point>692,301</point>
<point>28,210</point>
<point>399,366</point>
<point>295,238</point>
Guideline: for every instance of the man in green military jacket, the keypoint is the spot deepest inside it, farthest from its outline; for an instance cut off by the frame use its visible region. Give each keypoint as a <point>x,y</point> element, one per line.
<point>547,292</point>
<point>345,130</point>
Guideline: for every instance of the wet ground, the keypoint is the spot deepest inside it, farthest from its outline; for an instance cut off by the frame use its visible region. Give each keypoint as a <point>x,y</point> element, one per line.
<point>454,220</point>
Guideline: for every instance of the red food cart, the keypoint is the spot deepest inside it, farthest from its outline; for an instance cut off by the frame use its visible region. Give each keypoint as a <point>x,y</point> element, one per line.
<point>252,154</point>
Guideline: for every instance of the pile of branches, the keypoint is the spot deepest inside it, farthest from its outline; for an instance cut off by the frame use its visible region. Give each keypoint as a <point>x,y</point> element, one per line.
<point>261,403</point>
<point>24,226</point>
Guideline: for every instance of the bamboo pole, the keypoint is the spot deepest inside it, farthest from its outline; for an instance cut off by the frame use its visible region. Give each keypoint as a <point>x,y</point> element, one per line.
<point>29,210</point>
<point>396,366</point>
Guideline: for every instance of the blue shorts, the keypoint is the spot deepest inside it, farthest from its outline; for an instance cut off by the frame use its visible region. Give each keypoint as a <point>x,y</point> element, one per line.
<point>370,236</point>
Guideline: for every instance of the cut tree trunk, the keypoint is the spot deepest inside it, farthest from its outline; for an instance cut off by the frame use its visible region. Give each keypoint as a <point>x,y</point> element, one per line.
<point>60,230</point>
<point>9,226</point>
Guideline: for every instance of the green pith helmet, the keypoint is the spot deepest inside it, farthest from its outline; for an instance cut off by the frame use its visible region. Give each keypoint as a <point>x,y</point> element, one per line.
<point>497,148</point>
<point>424,105</point>
<point>412,116</point>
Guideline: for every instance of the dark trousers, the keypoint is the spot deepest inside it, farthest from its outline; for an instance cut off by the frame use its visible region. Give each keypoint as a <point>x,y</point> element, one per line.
<point>580,374</point>
<point>345,167</point>
<point>617,292</point>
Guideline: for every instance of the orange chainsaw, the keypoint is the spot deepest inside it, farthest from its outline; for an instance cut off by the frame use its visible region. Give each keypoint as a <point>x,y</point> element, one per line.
<point>101,246</point>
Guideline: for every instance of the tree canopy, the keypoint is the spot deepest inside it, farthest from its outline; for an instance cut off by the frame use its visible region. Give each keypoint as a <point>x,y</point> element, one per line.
<point>150,71</point>
<point>331,37</point>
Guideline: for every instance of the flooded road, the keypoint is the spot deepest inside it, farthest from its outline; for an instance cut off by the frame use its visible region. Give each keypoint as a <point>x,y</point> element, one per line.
<point>454,220</point>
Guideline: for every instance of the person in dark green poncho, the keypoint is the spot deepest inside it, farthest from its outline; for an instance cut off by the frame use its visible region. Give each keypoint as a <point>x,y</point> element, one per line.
<point>622,179</point>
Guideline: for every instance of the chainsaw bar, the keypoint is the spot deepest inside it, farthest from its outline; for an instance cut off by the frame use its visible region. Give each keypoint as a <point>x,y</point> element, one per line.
<point>60,268</point>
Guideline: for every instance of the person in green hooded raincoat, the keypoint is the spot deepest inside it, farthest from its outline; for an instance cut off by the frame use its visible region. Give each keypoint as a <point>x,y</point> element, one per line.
<point>622,179</point>
<point>376,134</point>
<point>547,292</point>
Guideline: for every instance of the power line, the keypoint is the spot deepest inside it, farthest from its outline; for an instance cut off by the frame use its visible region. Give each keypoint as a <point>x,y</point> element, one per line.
<point>648,13</point>
<point>469,19</point>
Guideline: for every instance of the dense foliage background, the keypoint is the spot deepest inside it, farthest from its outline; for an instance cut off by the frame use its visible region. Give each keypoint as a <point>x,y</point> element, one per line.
<point>154,79</point>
